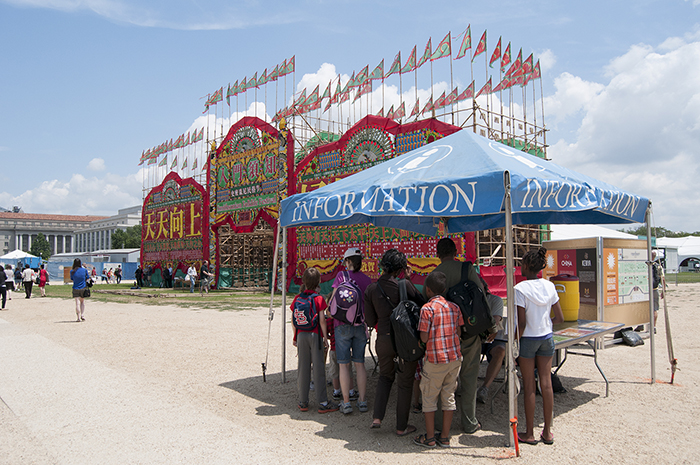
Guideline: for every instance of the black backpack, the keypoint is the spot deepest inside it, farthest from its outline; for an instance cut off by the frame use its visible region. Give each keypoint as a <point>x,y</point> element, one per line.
<point>471,300</point>
<point>404,326</point>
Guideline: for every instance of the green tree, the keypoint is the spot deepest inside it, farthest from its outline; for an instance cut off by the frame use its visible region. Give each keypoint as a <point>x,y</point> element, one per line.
<point>41,247</point>
<point>127,239</point>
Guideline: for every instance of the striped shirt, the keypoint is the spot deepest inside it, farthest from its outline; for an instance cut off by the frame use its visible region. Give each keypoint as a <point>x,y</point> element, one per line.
<point>442,321</point>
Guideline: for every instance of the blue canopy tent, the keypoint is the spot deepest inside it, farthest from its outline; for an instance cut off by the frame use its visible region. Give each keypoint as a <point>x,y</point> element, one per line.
<point>470,183</point>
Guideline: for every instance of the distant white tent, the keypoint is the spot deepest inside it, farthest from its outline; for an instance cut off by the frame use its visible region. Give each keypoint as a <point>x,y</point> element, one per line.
<point>17,255</point>
<point>580,231</point>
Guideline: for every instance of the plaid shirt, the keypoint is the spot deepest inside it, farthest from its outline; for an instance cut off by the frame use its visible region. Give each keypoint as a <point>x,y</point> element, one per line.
<point>442,321</point>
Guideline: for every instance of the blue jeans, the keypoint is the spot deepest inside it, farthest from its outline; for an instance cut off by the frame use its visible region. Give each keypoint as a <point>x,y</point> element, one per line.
<point>350,342</point>
<point>192,284</point>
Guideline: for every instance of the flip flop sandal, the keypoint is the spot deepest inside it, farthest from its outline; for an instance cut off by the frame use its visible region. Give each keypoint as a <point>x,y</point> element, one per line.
<point>424,441</point>
<point>523,441</point>
<point>409,429</point>
<point>548,442</point>
<point>376,425</point>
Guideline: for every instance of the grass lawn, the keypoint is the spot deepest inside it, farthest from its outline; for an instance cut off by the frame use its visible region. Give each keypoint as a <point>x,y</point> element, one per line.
<point>223,300</point>
<point>687,277</point>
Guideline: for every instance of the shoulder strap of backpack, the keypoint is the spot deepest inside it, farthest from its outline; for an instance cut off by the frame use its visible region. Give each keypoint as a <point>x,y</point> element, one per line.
<point>381,289</point>
<point>465,271</point>
<point>403,295</point>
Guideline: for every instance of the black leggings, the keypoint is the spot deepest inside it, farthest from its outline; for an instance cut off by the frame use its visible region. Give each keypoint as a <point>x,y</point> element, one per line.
<point>3,291</point>
<point>28,288</point>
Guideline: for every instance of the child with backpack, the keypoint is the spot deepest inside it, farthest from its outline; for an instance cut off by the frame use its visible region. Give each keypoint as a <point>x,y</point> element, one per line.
<point>347,309</point>
<point>439,327</point>
<point>310,337</point>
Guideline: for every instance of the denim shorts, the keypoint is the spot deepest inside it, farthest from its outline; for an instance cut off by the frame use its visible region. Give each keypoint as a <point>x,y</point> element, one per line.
<point>531,347</point>
<point>350,342</point>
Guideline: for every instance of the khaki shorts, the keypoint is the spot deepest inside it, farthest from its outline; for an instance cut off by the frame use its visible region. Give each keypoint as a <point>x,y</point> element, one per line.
<point>439,380</point>
<point>333,371</point>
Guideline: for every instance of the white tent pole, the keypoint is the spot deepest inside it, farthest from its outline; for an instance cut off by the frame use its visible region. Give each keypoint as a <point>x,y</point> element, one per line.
<point>650,273</point>
<point>271,314</point>
<point>510,302</point>
<point>284,305</point>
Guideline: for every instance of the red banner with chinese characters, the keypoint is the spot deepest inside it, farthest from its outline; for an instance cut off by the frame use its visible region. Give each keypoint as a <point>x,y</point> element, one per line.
<point>174,223</point>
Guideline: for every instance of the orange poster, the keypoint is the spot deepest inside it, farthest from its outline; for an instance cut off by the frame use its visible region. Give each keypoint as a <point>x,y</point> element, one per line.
<point>552,268</point>
<point>610,257</point>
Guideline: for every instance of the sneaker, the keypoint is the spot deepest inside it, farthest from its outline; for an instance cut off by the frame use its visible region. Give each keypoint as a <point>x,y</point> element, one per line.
<point>362,406</point>
<point>482,394</point>
<point>304,406</point>
<point>328,407</point>
<point>354,395</point>
<point>337,395</point>
<point>346,408</point>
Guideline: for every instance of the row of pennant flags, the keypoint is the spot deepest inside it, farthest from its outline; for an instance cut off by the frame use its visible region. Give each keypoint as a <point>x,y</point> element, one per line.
<point>518,72</point>
<point>150,156</point>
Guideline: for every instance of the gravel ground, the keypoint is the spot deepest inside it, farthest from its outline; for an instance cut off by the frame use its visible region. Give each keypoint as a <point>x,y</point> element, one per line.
<point>163,384</point>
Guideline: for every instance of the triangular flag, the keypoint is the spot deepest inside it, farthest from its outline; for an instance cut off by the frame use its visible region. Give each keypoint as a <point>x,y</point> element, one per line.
<point>194,164</point>
<point>337,92</point>
<point>328,106</point>
<point>184,164</point>
<point>503,85</point>
<point>401,112</point>
<point>505,59</point>
<point>351,82</point>
<point>416,109</point>
<point>253,82</point>
<point>496,54</point>
<point>302,98</point>
<point>362,76</point>
<point>363,90</point>
<point>173,165</point>
<point>450,99</point>
<point>426,54</point>
<point>395,66</point>
<point>327,92</point>
<point>163,162</point>
<point>381,113</point>
<point>468,93</point>
<point>290,65</point>
<point>440,102</point>
<point>443,49</point>
<point>187,141</point>
<point>466,43</point>
<point>244,85</point>
<point>516,64</point>
<point>378,72</point>
<point>274,74</point>
<point>410,63</point>
<point>263,78</point>
<point>485,90</point>
<point>428,106</point>
<point>481,48</point>
<point>390,113</point>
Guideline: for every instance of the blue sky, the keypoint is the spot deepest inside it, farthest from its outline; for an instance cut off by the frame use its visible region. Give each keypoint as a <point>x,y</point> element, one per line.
<point>87,85</point>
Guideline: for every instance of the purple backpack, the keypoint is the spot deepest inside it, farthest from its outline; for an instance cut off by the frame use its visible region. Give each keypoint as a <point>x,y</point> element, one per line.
<point>347,306</point>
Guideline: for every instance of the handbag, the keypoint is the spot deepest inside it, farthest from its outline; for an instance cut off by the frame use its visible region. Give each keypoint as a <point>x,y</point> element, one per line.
<point>38,280</point>
<point>86,292</point>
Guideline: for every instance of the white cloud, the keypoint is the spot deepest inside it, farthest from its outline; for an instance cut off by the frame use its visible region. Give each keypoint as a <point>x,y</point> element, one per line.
<point>547,60</point>
<point>96,164</point>
<point>80,195</point>
<point>641,131</point>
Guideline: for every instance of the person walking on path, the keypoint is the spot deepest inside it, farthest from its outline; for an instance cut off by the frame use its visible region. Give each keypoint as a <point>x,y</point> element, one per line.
<point>3,288</point>
<point>535,299</point>
<point>192,274</point>
<point>28,277</point>
<point>9,281</point>
<point>380,300</point>
<point>80,278</point>
<point>118,274</point>
<point>43,279</point>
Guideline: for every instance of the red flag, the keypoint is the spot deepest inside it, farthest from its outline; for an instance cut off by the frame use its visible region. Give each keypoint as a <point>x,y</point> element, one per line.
<point>466,43</point>
<point>362,76</point>
<point>364,90</point>
<point>536,74</point>
<point>328,105</point>
<point>468,93</point>
<point>416,109</point>
<point>496,53</point>
<point>443,49</point>
<point>505,59</point>
<point>378,72</point>
<point>301,99</point>
<point>390,113</point>
<point>485,90</point>
<point>327,92</point>
<point>450,99</point>
<point>401,112</point>
<point>381,113</point>
<point>516,64</point>
<point>428,106</point>
<point>481,48</point>
<point>503,85</point>
<point>440,102</point>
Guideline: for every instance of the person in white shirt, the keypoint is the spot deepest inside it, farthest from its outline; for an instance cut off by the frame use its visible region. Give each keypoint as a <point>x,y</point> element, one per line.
<point>192,275</point>
<point>28,277</point>
<point>535,299</point>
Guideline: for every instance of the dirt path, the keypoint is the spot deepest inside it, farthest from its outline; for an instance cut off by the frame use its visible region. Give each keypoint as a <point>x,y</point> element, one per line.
<point>162,384</point>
